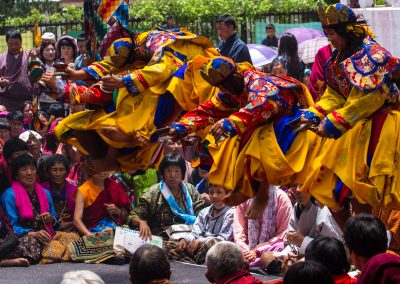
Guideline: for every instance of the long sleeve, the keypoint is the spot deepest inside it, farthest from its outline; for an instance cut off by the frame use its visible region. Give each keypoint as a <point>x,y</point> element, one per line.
<point>329,102</point>
<point>226,231</point>
<point>325,226</point>
<point>205,114</point>
<point>283,213</point>
<point>261,107</point>
<point>198,226</point>
<point>143,208</point>
<point>10,209</point>
<point>284,210</point>
<point>359,105</point>
<point>293,222</point>
<point>152,75</point>
<point>99,69</point>
<point>240,227</point>
<point>51,205</point>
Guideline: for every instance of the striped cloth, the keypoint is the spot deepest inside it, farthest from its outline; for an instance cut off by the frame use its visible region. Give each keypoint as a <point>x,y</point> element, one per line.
<point>105,21</point>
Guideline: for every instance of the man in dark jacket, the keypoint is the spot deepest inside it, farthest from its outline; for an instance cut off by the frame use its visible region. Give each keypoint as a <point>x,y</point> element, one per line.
<point>271,39</point>
<point>231,45</point>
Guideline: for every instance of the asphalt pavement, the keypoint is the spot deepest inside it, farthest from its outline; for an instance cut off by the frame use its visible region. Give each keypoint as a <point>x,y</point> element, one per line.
<point>52,273</point>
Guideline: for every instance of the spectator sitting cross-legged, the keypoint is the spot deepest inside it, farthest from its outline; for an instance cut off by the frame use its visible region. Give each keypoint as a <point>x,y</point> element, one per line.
<point>212,225</point>
<point>171,201</point>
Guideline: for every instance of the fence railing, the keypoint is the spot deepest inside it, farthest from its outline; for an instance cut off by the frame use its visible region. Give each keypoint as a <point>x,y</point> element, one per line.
<point>202,27</point>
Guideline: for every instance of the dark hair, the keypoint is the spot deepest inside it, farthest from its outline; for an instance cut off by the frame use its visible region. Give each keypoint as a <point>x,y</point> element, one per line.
<point>67,41</point>
<point>365,235</point>
<point>279,60</point>
<point>26,103</point>
<point>288,50</point>
<point>81,37</point>
<point>13,33</point>
<point>170,17</point>
<point>149,263</point>
<point>4,123</point>
<point>45,114</point>
<point>228,20</point>
<point>330,252</point>
<point>42,47</point>
<point>269,26</point>
<point>172,160</point>
<point>353,40</point>
<point>54,159</point>
<point>307,272</point>
<point>57,110</point>
<point>13,145</point>
<point>16,115</point>
<point>21,161</point>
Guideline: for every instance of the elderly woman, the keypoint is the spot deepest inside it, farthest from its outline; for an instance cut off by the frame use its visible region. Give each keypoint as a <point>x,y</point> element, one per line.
<point>101,203</point>
<point>171,201</point>
<point>61,190</point>
<point>31,212</point>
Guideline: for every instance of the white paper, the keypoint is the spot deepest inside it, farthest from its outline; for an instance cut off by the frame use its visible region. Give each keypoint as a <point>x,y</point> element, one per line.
<point>127,239</point>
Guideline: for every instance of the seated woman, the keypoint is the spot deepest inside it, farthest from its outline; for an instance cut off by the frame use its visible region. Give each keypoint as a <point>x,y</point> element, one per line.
<point>264,234</point>
<point>171,201</point>
<point>213,224</point>
<point>61,190</point>
<point>100,203</point>
<point>31,212</point>
<point>13,252</point>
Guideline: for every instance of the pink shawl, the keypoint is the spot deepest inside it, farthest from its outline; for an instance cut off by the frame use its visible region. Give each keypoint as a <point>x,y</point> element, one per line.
<point>24,205</point>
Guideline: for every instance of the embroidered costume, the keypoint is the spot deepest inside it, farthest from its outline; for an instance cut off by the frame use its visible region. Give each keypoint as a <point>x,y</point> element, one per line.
<point>260,145</point>
<point>358,111</point>
<point>154,92</point>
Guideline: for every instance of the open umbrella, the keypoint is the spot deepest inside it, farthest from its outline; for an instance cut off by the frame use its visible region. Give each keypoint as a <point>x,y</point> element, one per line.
<point>309,48</point>
<point>262,55</point>
<point>303,34</point>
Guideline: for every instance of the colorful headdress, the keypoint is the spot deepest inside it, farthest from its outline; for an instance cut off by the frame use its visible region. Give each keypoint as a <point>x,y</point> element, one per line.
<point>218,70</point>
<point>120,50</point>
<point>336,15</point>
<point>340,15</point>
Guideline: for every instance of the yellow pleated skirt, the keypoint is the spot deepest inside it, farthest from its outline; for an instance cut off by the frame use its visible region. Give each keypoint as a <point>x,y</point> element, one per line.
<point>346,158</point>
<point>261,159</point>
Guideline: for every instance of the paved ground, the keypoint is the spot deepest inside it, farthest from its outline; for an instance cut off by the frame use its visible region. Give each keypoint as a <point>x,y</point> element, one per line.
<point>52,273</point>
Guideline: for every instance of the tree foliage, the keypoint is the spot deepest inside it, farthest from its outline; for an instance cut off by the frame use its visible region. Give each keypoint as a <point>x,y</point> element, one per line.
<point>68,13</point>
<point>187,11</point>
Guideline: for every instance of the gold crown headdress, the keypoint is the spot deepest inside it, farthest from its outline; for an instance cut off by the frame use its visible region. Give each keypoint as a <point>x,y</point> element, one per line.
<point>335,15</point>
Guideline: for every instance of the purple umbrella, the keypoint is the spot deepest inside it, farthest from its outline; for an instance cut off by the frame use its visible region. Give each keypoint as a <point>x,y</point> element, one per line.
<point>261,54</point>
<point>303,34</point>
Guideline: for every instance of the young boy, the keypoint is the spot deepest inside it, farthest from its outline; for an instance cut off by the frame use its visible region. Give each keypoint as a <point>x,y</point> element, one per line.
<point>213,224</point>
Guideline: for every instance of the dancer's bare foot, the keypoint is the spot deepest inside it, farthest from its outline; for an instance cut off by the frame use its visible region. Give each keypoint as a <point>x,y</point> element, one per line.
<point>115,134</point>
<point>259,203</point>
<point>234,198</point>
<point>22,262</point>
<point>93,167</point>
